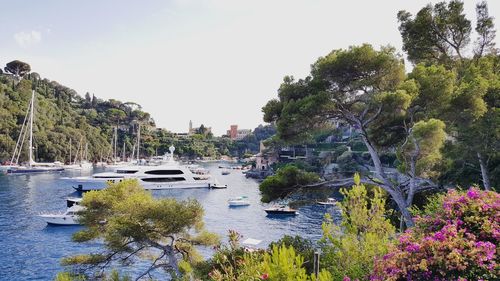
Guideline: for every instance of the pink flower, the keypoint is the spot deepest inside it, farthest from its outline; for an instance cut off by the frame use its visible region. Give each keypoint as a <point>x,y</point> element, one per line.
<point>413,247</point>
<point>439,236</point>
<point>264,276</point>
<point>472,193</point>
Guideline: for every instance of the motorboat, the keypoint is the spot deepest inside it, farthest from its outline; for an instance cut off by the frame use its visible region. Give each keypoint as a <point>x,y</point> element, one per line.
<point>225,172</point>
<point>328,202</point>
<point>70,217</point>
<point>170,175</point>
<point>239,201</point>
<point>218,186</point>
<point>71,201</point>
<point>281,210</point>
<point>196,169</point>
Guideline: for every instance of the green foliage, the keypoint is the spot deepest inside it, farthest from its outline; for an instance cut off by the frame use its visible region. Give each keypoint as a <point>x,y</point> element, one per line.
<point>283,264</point>
<point>424,145</point>
<point>17,68</point>
<point>437,33</point>
<point>131,223</point>
<point>365,232</point>
<point>233,262</point>
<point>286,180</point>
<point>435,88</point>
<point>302,247</point>
<point>61,115</point>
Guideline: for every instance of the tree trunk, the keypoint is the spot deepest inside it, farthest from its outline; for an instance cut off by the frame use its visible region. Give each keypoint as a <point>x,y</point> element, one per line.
<point>484,171</point>
<point>402,206</point>
<point>397,196</point>
<point>413,173</point>
<point>374,155</point>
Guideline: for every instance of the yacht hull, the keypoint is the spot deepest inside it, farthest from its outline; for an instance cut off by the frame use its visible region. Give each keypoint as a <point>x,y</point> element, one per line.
<point>34,170</point>
<point>60,219</point>
<point>87,184</point>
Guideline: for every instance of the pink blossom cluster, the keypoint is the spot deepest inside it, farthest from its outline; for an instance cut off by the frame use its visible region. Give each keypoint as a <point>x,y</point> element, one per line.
<point>460,241</point>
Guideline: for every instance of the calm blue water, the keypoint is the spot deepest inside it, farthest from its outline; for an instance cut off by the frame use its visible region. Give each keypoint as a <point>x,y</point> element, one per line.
<point>31,250</point>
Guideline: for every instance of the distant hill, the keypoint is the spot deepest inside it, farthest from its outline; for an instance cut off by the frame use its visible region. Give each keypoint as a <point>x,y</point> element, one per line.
<point>60,115</point>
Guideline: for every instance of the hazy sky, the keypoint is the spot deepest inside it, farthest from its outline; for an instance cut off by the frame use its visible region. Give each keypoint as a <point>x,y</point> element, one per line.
<point>215,62</point>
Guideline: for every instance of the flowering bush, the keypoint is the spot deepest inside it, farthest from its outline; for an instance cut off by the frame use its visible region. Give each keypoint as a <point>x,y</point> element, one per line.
<point>457,241</point>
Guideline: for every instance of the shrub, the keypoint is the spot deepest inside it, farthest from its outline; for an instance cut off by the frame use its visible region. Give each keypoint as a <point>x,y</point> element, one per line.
<point>455,238</point>
<point>302,246</point>
<point>287,179</point>
<point>350,249</point>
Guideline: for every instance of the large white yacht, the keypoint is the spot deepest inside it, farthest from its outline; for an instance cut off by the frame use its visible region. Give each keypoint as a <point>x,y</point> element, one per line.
<point>168,175</point>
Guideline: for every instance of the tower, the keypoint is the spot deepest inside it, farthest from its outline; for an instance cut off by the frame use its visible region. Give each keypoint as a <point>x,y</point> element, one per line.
<point>190,126</point>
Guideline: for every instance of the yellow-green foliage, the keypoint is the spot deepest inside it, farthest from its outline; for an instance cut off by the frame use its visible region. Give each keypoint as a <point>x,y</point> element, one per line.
<point>429,136</point>
<point>284,264</point>
<point>350,249</point>
<point>280,264</point>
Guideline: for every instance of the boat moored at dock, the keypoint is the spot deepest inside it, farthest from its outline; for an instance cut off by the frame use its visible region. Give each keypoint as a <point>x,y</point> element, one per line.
<point>281,210</point>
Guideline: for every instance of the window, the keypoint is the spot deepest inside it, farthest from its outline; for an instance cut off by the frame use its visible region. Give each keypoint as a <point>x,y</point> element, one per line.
<point>164,179</point>
<point>164,172</point>
<point>127,171</point>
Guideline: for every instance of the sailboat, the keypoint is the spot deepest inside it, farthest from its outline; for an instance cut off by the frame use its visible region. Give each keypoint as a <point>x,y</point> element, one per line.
<point>31,166</point>
<point>116,161</point>
<point>81,164</point>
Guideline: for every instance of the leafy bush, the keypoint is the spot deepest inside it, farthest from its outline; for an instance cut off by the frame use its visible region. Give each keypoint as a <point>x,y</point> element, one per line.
<point>287,179</point>
<point>302,246</point>
<point>280,263</point>
<point>365,232</point>
<point>455,238</point>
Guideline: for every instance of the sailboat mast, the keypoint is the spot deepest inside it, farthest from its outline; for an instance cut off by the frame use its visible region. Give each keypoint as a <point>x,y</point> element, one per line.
<point>86,151</point>
<point>31,128</point>
<point>114,144</point>
<point>138,142</point>
<point>70,151</point>
<point>123,151</point>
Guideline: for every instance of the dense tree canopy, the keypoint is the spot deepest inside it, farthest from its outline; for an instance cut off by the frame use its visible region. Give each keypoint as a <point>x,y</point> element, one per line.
<point>17,68</point>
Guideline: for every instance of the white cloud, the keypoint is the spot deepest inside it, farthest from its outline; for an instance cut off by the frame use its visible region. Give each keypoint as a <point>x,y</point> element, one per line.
<point>27,39</point>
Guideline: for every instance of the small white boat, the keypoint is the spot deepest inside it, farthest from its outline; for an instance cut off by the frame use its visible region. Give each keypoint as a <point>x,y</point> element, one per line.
<point>239,201</point>
<point>328,202</point>
<point>225,172</point>
<point>218,186</point>
<point>281,210</point>
<point>70,217</point>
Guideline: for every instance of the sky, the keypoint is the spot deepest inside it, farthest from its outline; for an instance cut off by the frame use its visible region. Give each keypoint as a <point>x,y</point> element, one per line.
<point>215,62</point>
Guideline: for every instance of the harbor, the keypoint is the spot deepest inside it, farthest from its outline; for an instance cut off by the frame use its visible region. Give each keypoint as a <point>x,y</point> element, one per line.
<point>35,248</point>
